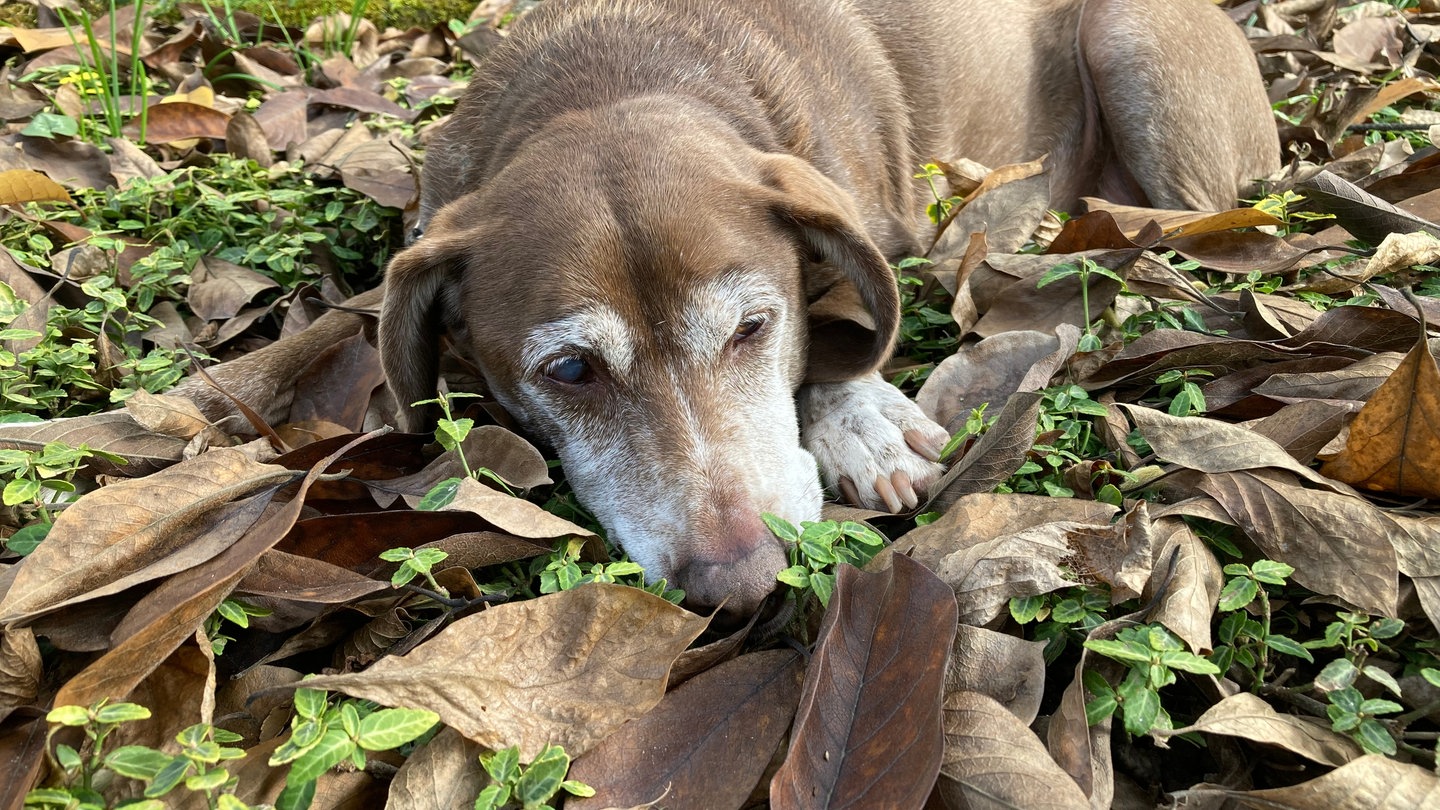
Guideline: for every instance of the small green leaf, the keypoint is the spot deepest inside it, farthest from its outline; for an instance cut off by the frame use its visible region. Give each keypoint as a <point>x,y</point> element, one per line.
<point>210,780</point>
<point>121,713</point>
<point>1188,662</point>
<point>1024,609</point>
<point>1118,650</point>
<point>400,554</point>
<point>1238,593</point>
<point>503,765</point>
<point>310,703</point>
<point>796,576</point>
<point>392,728</point>
<point>296,796</point>
<point>1386,628</point>
<point>68,715</point>
<point>1337,674</point>
<point>1378,706</point>
<point>1288,646</point>
<point>823,585</point>
<point>137,762</point>
<point>780,528</point>
<point>492,797</point>
<point>440,496</point>
<point>1271,572</point>
<point>20,490</point>
<point>577,788</point>
<point>1373,737</point>
<point>543,777</point>
<point>1102,707</point>
<point>168,778</point>
<point>1141,708</point>
<point>334,746</point>
<point>28,538</point>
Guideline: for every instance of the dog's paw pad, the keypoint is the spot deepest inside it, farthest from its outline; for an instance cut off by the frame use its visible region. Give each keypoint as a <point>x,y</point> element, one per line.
<point>875,447</point>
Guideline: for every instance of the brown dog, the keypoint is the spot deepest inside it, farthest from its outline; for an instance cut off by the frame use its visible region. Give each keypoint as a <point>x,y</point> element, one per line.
<point>661,230</point>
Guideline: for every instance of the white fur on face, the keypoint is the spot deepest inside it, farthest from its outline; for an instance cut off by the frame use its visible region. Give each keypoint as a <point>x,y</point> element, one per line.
<point>688,435</point>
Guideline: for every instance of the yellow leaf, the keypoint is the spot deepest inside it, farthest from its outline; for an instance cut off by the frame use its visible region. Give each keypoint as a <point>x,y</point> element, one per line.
<point>25,185</point>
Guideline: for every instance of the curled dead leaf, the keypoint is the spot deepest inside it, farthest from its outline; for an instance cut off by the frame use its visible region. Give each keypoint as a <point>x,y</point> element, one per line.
<point>564,669</point>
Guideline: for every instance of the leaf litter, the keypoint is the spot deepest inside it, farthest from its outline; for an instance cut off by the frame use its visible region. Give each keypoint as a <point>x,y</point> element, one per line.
<point>930,682</point>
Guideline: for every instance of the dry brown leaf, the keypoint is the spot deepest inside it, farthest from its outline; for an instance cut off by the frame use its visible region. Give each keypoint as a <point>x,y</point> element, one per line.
<point>178,121</point>
<point>1394,443</point>
<point>443,774</point>
<point>564,669</point>
<point>995,457</point>
<point>1080,749</point>
<point>114,432</point>
<point>1003,667</point>
<point>1120,554</point>
<point>985,372</point>
<point>1356,381</point>
<point>1211,446</point>
<point>868,732</point>
<point>20,669</point>
<point>511,514</point>
<point>220,289</point>
<point>1371,782</point>
<point>742,710</point>
<point>122,529</point>
<point>1247,716</point>
<point>1193,581</point>
<point>177,607</point>
<point>987,576</point>
<point>24,185</point>
<point>982,516</point>
<point>993,760</point>
<point>166,415</point>
<point>1338,544</point>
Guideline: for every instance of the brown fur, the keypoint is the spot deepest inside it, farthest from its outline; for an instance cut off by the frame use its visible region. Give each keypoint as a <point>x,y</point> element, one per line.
<point>622,154</point>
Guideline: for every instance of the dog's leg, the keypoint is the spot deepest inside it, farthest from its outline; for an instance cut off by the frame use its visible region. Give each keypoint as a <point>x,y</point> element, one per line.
<point>1182,102</point>
<point>873,445</point>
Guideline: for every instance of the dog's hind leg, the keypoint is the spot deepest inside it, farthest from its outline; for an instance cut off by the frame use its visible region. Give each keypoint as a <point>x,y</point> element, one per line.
<point>1182,102</point>
<point>874,446</point>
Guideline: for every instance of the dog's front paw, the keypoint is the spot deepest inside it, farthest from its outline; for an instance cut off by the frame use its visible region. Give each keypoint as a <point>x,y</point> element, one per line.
<point>874,446</point>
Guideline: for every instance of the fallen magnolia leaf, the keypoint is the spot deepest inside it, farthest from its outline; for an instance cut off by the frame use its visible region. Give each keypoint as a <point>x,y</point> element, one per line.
<point>1247,716</point>
<point>983,373</point>
<point>1008,669</point>
<point>987,576</point>
<point>511,514</point>
<point>741,711</point>
<point>1394,443</point>
<point>177,608</point>
<point>440,775</point>
<point>564,669</point>
<point>1338,544</point>
<point>117,432</point>
<point>1371,782</point>
<point>868,732</point>
<point>166,415</point>
<point>20,669</point>
<point>992,759</point>
<point>24,185</point>
<point>124,528</point>
<point>1192,578</point>
<point>178,122</point>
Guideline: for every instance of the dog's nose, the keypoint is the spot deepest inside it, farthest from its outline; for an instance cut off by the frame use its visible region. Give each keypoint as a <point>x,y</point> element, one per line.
<point>736,577</point>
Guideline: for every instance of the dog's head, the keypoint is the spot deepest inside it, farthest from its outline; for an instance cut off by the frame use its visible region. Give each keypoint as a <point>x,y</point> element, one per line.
<point>638,291</point>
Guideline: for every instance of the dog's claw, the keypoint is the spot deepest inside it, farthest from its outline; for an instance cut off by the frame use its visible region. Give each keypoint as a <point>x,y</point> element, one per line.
<point>928,444</point>
<point>886,491</point>
<point>848,490</point>
<point>905,488</point>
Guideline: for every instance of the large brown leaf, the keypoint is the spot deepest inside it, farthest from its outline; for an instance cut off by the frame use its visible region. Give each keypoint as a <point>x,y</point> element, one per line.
<point>1369,783</point>
<point>114,432</point>
<point>1245,715</point>
<point>705,745</point>
<point>443,774</point>
<point>176,609</point>
<point>129,526</point>
<point>992,760</point>
<point>565,669</point>
<point>868,732</point>
<point>1394,443</point>
<point>1338,544</point>
<point>1006,668</point>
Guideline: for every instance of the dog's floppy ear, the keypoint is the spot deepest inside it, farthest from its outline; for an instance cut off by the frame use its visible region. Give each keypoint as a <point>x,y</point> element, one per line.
<point>415,313</point>
<point>852,326</point>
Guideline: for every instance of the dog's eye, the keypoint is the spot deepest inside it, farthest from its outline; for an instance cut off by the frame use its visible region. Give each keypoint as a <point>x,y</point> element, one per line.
<point>747,328</point>
<point>570,370</point>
